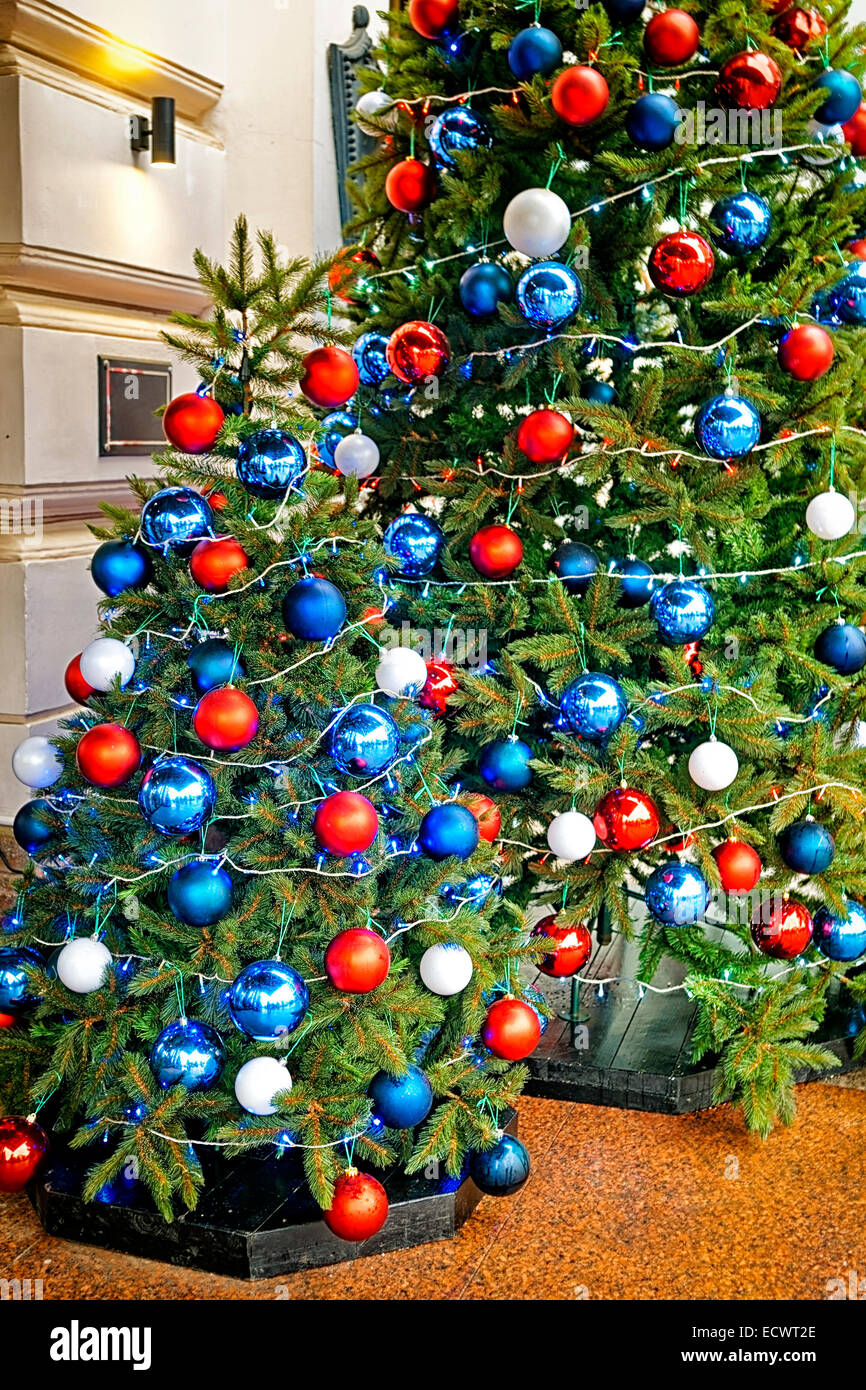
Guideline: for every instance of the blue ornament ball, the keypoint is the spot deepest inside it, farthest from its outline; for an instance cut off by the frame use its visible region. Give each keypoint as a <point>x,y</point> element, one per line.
<point>847,300</point>
<point>268,1000</point>
<point>549,294</point>
<point>838,937</point>
<point>575,564</point>
<point>598,392</point>
<point>214,662</point>
<point>727,427</point>
<point>120,565</point>
<point>448,830</point>
<point>415,542</point>
<point>176,517</point>
<point>200,893</point>
<point>677,894</point>
<point>842,99</point>
<point>456,130</point>
<point>36,827</point>
<point>335,427</point>
<point>502,1170</point>
<point>364,741</point>
<point>505,764</point>
<point>843,647</point>
<point>483,287</point>
<point>807,847</point>
<point>684,611</point>
<point>742,221</point>
<point>269,462</point>
<point>637,583</point>
<point>177,796</point>
<point>314,609</point>
<point>593,706</point>
<point>534,50</point>
<point>188,1053</point>
<point>401,1102</point>
<point>370,359</point>
<point>16,990</point>
<point>652,121</point>
<point>625,10</point>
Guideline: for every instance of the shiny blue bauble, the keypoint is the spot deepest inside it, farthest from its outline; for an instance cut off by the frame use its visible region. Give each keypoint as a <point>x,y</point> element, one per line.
<point>176,516</point>
<point>334,428</point>
<point>177,796</point>
<point>36,827</point>
<point>16,990</point>
<point>314,609</point>
<point>505,764</point>
<point>842,99</point>
<point>593,706</point>
<point>415,541</point>
<point>269,462</point>
<point>651,122</point>
<point>727,427</point>
<point>683,610</point>
<point>401,1102</point>
<point>625,10</point>
<point>188,1053</point>
<point>548,294</point>
<point>473,892</point>
<point>370,359</point>
<point>456,130</point>
<point>847,300</point>
<point>843,647</point>
<point>213,662</point>
<point>500,1171</point>
<point>841,938</point>
<point>448,830</point>
<point>268,1000</point>
<point>364,741</point>
<point>483,287</point>
<point>598,392</point>
<point>637,583</point>
<point>200,893</point>
<point>534,50</point>
<point>575,564</point>
<point>807,847</point>
<point>120,565</point>
<point>742,221</point>
<point>677,894</point>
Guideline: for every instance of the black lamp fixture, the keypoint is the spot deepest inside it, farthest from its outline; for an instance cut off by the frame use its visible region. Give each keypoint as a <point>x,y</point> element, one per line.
<point>156,133</point>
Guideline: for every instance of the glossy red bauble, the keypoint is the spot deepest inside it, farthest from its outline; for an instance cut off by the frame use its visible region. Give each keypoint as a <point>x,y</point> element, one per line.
<point>486,812</point>
<point>431,18</point>
<point>571,952</point>
<point>682,263</point>
<point>7,1020</point>
<point>496,551</point>
<point>213,562</point>
<point>782,929</point>
<point>857,249</point>
<point>806,352</point>
<point>545,436</point>
<point>739,866</point>
<point>217,501</point>
<point>580,95</point>
<point>225,719</point>
<point>108,755</point>
<point>329,377</point>
<point>417,351</point>
<point>671,38</point>
<point>76,686</point>
<point>626,819</point>
<point>749,81</point>
<point>347,268</point>
<point>798,28</point>
<point>855,132</point>
<point>359,1208</point>
<point>23,1149</point>
<point>357,961</point>
<point>440,685</point>
<point>346,823</point>
<point>511,1029</point>
<point>192,422</point>
<point>410,185</point>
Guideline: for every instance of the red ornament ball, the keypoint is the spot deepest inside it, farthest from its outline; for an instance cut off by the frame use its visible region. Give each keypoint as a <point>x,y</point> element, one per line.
<point>213,562</point>
<point>580,95</point>
<point>346,823</point>
<point>417,351</point>
<point>23,1148</point>
<point>440,684</point>
<point>431,18</point>
<point>857,249</point>
<point>855,132</point>
<point>739,866</point>
<point>359,1208</point>
<point>798,28</point>
<point>749,81</point>
<point>329,377</point>
<point>782,929</point>
<point>192,422</point>
<point>626,819</point>
<point>217,501</point>
<point>571,952</point>
<point>76,686</point>
<point>7,1020</point>
<point>496,551</point>
<point>671,38</point>
<point>108,755</point>
<point>226,719</point>
<point>511,1029</point>
<point>486,812</point>
<point>357,961</point>
<point>682,263</point>
<point>806,352</point>
<point>545,436</point>
<point>347,268</point>
<point>410,185</point>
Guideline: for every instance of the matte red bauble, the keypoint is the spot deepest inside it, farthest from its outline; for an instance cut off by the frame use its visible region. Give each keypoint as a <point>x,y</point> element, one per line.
<point>682,263</point>
<point>213,562</point>
<point>346,823</point>
<point>545,436</point>
<point>329,377</point>
<point>23,1148</point>
<point>347,268</point>
<point>440,685</point>
<point>750,81</point>
<point>76,686</point>
<point>410,185</point>
<point>359,1208</point>
<point>511,1029</point>
<point>782,929</point>
<point>496,551</point>
<point>192,422</point>
<point>357,961</point>
<point>571,952</point>
<point>806,352</point>
<point>430,18</point>
<point>626,819</point>
<point>580,95</point>
<point>108,755</point>
<point>486,812</point>
<point>671,38</point>
<point>798,28</point>
<point>226,719</point>
<point>739,866</point>
<point>417,351</point>
<point>855,132</point>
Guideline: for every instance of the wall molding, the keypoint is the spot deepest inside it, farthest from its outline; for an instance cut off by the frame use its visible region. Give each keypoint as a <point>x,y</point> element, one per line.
<point>45,270</point>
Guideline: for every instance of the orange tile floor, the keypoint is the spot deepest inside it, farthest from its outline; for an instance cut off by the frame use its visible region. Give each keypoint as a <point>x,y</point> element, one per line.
<point>620,1205</point>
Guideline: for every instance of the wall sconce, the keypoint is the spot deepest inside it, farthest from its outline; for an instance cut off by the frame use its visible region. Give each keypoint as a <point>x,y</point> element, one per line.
<point>157,133</point>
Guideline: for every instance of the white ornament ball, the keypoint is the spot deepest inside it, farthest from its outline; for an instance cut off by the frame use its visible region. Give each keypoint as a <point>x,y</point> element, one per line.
<point>571,836</point>
<point>258,1081</point>
<point>830,515</point>
<point>401,671</point>
<point>104,659</point>
<point>37,763</point>
<point>537,222</point>
<point>357,456</point>
<point>446,968</point>
<point>83,964</point>
<point>713,765</point>
<point>374,104</point>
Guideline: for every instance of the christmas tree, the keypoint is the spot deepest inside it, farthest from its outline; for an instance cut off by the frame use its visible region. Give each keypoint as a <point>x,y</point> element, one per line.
<point>612,305</point>
<point>258,910</point>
